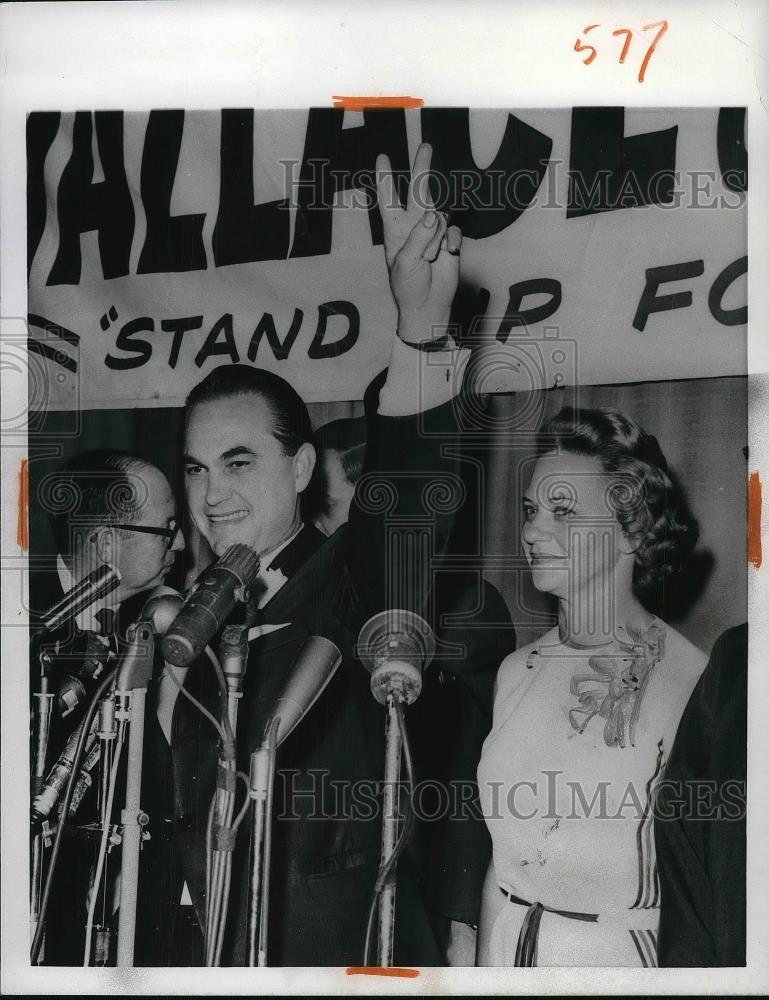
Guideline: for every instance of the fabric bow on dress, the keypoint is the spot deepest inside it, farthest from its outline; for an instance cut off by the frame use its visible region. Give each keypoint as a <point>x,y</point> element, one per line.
<point>622,679</point>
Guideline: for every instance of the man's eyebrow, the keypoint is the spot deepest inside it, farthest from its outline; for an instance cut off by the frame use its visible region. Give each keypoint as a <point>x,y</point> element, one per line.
<point>240,449</point>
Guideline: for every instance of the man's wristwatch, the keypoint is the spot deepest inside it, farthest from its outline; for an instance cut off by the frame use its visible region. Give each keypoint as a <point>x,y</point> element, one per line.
<point>444,343</point>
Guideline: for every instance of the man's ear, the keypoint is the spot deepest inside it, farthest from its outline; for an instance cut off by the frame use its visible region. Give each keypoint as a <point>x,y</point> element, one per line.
<point>304,463</point>
<point>105,545</point>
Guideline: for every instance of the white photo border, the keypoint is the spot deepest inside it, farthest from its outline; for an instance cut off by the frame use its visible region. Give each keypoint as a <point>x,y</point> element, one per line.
<point>291,54</point>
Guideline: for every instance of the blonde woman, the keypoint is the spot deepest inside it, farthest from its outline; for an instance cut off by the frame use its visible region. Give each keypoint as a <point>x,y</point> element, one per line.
<point>585,717</point>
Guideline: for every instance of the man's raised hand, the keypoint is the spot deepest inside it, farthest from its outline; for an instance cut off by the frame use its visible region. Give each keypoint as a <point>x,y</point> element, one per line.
<point>422,252</point>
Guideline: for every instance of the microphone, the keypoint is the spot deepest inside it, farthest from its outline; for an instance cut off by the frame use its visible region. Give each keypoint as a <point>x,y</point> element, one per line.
<point>58,776</point>
<point>210,604</point>
<point>395,647</point>
<point>76,686</point>
<point>315,665</point>
<point>161,608</point>
<point>90,589</point>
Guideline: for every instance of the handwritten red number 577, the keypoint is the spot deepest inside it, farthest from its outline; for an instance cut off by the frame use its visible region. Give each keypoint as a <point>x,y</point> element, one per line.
<point>662,27</point>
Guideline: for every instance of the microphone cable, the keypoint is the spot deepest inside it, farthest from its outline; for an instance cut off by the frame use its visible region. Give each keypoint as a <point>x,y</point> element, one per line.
<point>194,701</point>
<point>228,872</point>
<point>224,732</point>
<point>218,868</point>
<point>37,941</point>
<point>103,847</point>
<point>386,869</point>
<point>219,860</point>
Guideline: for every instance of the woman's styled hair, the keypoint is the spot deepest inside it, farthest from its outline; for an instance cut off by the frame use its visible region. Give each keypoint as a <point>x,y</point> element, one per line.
<point>648,504</point>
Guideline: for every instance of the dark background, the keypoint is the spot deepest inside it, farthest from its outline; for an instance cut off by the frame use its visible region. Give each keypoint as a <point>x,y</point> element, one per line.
<point>701,425</point>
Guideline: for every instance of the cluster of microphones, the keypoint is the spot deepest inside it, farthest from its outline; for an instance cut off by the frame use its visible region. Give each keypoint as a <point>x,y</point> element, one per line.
<point>394,646</point>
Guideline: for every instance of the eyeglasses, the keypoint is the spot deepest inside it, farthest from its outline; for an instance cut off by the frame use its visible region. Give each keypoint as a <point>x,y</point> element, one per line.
<point>169,533</point>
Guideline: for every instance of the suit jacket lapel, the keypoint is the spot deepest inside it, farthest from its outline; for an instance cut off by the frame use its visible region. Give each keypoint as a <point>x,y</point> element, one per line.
<point>297,563</point>
<point>300,562</point>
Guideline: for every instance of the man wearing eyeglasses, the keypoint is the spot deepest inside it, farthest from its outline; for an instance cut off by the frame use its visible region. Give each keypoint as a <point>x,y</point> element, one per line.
<point>122,513</point>
<point>112,508</point>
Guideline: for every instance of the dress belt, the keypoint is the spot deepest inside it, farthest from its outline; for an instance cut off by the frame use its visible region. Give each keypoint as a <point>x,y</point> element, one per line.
<point>526,949</point>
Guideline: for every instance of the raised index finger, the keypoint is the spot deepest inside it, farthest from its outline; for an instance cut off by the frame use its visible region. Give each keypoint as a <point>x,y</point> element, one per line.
<point>385,186</point>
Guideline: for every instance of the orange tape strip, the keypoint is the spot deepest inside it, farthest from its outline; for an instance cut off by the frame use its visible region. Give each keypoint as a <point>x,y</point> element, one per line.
<point>375,970</point>
<point>365,103</point>
<point>754,520</point>
<point>22,520</point>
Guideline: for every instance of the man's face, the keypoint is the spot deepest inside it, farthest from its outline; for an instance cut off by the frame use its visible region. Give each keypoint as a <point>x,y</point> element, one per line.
<point>337,493</point>
<point>240,484</point>
<point>145,559</point>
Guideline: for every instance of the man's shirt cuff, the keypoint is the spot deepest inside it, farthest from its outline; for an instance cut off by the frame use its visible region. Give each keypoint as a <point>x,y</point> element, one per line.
<point>421,380</point>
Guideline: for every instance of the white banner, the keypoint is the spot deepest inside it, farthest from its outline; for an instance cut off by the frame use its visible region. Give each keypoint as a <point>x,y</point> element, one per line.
<point>163,244</point>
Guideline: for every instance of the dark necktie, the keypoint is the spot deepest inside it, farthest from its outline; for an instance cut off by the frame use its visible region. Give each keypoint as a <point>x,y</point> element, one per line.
<point>106,619</point>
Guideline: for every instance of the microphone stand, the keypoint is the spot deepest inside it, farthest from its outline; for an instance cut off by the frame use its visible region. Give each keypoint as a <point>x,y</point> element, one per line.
<point>41,725</point>
<point>316,664</point>
<point>106,734</point>
<point>133,678</point>
<point>260,789</point>
<point>390,825</point>
<point>394,646</point>
<point>233,655</point>
<point>85,593</point>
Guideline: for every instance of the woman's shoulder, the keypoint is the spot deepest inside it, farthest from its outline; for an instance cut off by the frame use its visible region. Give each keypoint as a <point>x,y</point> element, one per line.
<point>678,673</point>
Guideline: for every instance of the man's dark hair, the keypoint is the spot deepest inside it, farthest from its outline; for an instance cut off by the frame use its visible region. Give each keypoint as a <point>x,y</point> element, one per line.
<point>94,488</point>
<point>346,437</point>
<point>292,427</point>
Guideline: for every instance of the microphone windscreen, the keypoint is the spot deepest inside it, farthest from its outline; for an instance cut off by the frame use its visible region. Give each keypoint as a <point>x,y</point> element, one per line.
<point>315,665</point>
<point>395,646</point>
<point>207,608</point>
<point>395,634</point>
<point>161,608</point>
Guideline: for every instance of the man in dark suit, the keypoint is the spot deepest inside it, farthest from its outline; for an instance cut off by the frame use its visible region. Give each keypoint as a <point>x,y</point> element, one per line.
<point>248,460</point>
<point>700,818</point>
<point>112,508</point>
<point>452,847</point>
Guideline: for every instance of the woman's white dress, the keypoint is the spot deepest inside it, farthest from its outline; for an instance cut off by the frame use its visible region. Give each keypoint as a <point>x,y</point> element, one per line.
<point>571,817</point>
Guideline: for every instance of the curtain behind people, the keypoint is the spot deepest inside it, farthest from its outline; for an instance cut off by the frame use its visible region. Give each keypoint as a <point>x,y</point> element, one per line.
<point>701,425</point>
